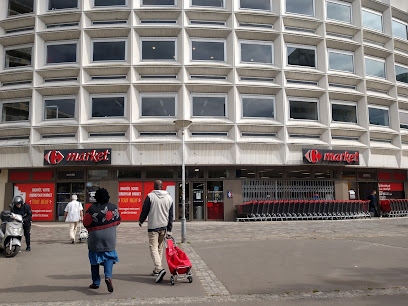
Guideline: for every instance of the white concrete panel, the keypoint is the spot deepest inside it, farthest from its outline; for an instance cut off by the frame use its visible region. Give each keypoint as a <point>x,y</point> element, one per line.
<point>259,154</point>
<point>15,157</point>
<point>156,154</point>
<point>210,154</point>
<point>383,159</point>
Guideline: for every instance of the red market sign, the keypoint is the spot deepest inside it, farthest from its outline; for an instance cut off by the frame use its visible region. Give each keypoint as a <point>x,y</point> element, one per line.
<point>130,200</point>
<point>77,157</point>
<point>40,196</point>
<point>314,156</point>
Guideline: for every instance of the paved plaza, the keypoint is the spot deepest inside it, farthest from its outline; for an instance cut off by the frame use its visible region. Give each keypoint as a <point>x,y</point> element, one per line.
<point>346,262</point>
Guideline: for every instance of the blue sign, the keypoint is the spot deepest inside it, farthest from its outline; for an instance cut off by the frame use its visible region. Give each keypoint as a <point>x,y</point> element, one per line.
<point>229,194</point>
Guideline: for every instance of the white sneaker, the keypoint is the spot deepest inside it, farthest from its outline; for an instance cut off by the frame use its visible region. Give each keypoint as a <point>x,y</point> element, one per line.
<point>160,276</point>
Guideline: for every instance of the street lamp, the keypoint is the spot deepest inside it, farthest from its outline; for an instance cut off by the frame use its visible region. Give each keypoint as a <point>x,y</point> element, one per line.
<point>183,124</point>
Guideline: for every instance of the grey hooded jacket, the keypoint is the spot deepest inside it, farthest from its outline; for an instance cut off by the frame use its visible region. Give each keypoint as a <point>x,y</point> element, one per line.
<point>158,206</point>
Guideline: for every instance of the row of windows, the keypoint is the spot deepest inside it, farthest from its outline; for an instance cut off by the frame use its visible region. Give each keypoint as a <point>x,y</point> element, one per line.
<point>201,50</point>
<point>164,105</point>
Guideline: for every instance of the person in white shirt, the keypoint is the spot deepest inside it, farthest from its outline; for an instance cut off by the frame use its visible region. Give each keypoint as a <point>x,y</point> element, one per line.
<point>73,214</point>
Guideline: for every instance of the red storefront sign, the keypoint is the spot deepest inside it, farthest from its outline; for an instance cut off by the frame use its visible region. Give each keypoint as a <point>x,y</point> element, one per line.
<point>314,156</point>
<point>77,157</point>
<point>130,200</point>
<point>40,196</point>
<point>391,191</point>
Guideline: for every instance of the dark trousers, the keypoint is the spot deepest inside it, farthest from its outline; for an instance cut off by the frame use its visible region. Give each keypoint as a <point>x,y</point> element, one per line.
<point>27,229</point>
<point>375,209</point>
<point>107,265</point>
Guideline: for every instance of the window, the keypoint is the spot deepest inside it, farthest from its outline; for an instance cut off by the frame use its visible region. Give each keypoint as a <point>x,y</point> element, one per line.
<point>158,105</point>
<point>108,106</point>
<point>15,111</point>
<point>17,30</point>
<point>378,115</point>
<point>375,67</point>
<point>343,61</point>
<point>59,108</point>
<point>372,20</point>
<point>256,25</point>
<point>113,50</point>
<point>303,7</point>
<point>258,107</point>
<point>62,25</point>
<point>399,29</point>
<point>62,4</point>
<point>256,53</point>
<point>339,11</point>
<point>403,119</point>
<point>17,7</point>
<point>213,3</point>
<point>301,56</point>
<point>401,73</point>
<point>158,2</point>
<point>61,53</point>
<point>157,21</point>
<point>18,57</point>
<point>204,50</point>
<point>256,4</point>
<point>109,3</point>
<point>208,22</point>
<point>344,112</point>
<point>109,22</point>
<point>209,105</point>
<point>158,49</point>
<point>303,109</point>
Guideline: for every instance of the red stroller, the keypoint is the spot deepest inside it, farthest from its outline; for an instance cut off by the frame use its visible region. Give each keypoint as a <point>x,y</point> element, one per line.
<point>179,264</point>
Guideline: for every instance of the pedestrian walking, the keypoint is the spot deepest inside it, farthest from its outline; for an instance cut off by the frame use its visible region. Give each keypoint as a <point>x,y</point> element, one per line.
<point>373,203</point>
<point>101,220</point>
<point>73,215</point>
<point>158,206</point>
<point>24,209</point>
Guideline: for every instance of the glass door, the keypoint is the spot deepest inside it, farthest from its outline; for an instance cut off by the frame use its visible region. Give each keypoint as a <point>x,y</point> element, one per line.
<point>64,193</point>
<point>198,201</point>
<point>180,201</point>
<point>215,200</point>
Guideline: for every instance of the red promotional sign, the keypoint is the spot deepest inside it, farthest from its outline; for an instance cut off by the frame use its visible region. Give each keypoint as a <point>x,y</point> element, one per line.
<point>391,191</point>
<point>40,196</point>
<point>130,200</point>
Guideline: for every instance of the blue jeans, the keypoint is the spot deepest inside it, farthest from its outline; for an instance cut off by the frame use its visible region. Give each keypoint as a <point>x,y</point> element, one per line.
<point>107,265</point>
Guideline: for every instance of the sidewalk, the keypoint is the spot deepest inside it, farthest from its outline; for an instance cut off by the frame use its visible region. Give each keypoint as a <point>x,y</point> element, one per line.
<point>262,263</point>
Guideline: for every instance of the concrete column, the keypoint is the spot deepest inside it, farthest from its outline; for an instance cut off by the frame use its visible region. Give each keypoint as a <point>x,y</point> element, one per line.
<point>113,188</point>
<point>229,203</point>
<point>341,190</point>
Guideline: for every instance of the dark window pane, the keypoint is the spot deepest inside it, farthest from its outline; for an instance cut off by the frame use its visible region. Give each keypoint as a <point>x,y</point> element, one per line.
<point>209,106</point>
<point>158,50</point>
<point>375,68</point>
<point>402,74</point>
<point>257,107</point>
<point>378,116</point>
<point>215,3</point>
<point>404,120</point>
<point>340,12</point>
<point>158,2</point>
<point>59,108</point>
<point>399,29</point>
<point>109,51</point>
<point>158,106</point>
<point>304,7</point>
<point>129,174</point>
<point>62,4</point>
<point>344,113</point>
<point>18,57</point>
<point>256,53</point>
<point>218,173</point>
<point>109,2</point>
<point>208,51</point>
<point>301,57</point>
<point>245,173</point>
<point>17,111</point>
<point>270,173</point>
<point>98,174</point>
<point>17,7</point>
<point>62,53</point>
<point>256,4</point>
<point>372,20</point>
<point>108,107</point>
<point>303,110</point>
<point>159,173</point>
<point>341,61</point>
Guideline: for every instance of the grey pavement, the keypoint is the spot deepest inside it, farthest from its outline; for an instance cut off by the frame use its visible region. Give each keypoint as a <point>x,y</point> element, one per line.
<point>347,262</point>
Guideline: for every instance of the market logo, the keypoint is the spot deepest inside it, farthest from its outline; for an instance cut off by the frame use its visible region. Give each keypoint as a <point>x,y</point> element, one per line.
<point>313,156</point>
<point>54,157</point>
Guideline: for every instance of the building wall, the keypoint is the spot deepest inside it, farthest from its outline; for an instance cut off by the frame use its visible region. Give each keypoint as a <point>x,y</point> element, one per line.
<point>3,181</point>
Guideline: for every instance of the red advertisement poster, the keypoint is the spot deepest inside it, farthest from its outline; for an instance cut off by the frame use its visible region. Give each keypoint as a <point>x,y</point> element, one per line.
<point>169,186</point>
<point>130,200</point>
<point>40,196</point>
<point>391,191</point>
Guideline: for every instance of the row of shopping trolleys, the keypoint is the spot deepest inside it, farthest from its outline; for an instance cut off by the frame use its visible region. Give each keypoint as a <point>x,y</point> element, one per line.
<point>394,208</point>
<point>301,210</point>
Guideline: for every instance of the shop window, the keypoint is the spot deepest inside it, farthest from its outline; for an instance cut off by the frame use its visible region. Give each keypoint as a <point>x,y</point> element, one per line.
<point>158,106</point>
<point>401,73</point>
<point>59,108</point>
<point>264,5</point>
<point>302,7</point>
<point>71,175</point>
<point>205,50</point>
<point>62,4</point>
<point>245,173</point>
<point>344,112</point>
<point>18,57</point>
<point>342,61</point>
<point>211,3</point>
<point>270,173</point>
<point>399,29</point>
<point>17,7</point>
<point>304,109</point>
<point>61,52</point>
<point>209,106</point>
<point>159,173</point>
<point>340,11</point>
<point>403,119</point>
<point>109,50</point>
<point>378,115</point>
<point>158,2</point>
<point>304,56</point>
<point>299,174</point>
<point>322,174</point>
<point>372,20</point>
<point>16,111</point>
<point>349,175</point>
<point>98,174</point>
<point>258,107</point>
<point>109,106</point>
<point>109,3</point>
<point>129,174</point>
<point>257,52</point>
<point>158,49</point>
<point>375,67</point>
<point>194,173</point>
<point>218,173</point>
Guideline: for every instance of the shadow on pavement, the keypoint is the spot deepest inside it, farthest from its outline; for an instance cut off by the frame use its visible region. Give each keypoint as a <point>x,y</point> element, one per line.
<point>46,289</point>
<point>134,278</point>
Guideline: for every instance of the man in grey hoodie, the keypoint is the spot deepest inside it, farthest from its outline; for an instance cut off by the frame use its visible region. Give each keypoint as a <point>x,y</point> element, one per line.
<point>158,206</point>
